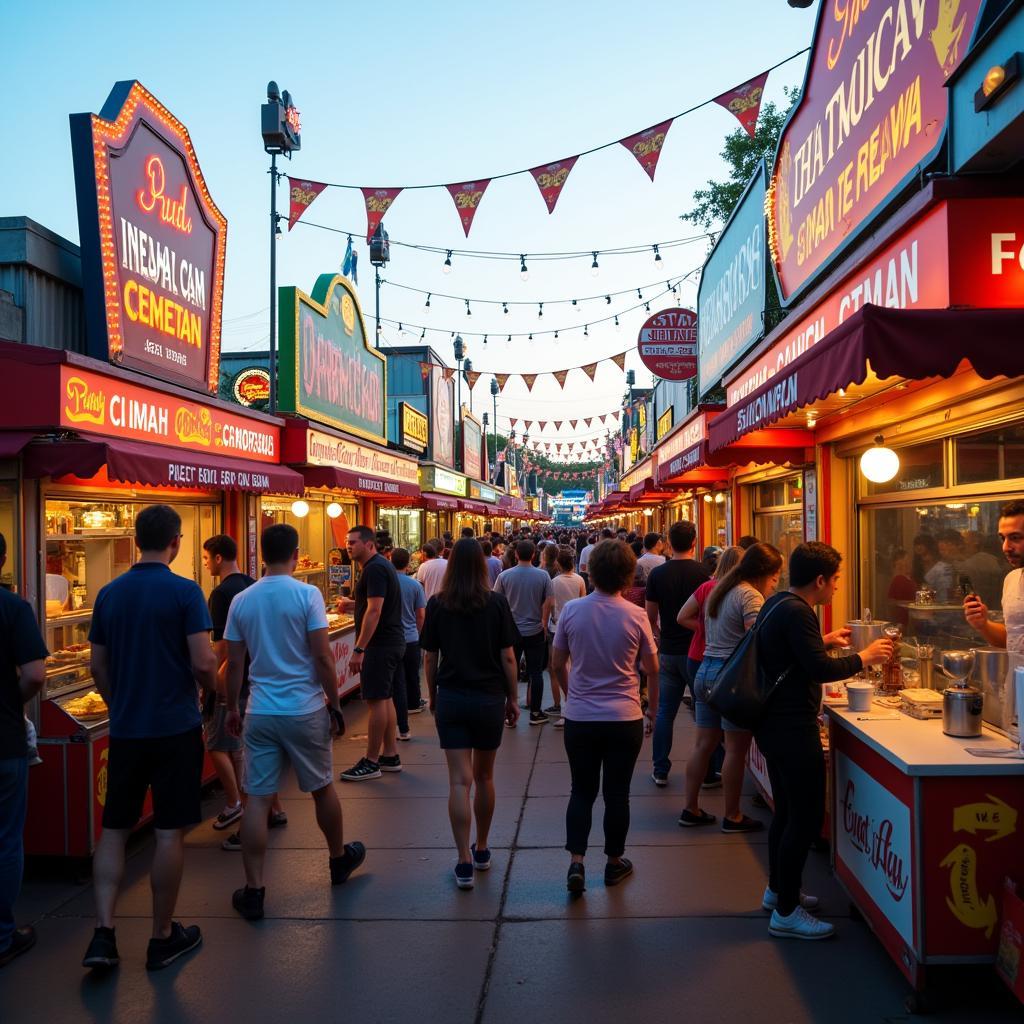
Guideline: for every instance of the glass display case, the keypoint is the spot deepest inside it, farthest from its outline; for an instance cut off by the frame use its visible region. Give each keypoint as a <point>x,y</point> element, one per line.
<point>403,525</point>
<point>87,544</point>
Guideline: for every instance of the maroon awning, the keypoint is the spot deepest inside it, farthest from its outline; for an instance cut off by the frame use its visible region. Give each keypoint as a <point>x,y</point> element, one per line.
<point>699,465</point>
<point>651,492</point>
<point>478,508</point>
<point>912,343</point>
<point>439,503</point>
<point>345,479</point>
<point>136,462</point>
<point>12,442</point>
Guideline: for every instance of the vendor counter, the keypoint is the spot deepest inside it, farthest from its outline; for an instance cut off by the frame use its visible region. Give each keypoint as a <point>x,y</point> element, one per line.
<point>923,834</point>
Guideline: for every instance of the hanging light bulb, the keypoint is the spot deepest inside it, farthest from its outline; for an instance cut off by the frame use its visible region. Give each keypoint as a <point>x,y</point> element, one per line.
<point>333,510</point>
<point>540,310</point>
<point>524,271</point>
<point>657,255</point>
<point>300,509</point>
<point>616,321</point>
<point>423,334</point>
<point>719,498</point>
<point>586,330</point>
<point>504,307</point>
<point>447,268</point>
<point>879,464</point>
<point>485,339</point>
<point>594,268</point>
<point>639,294</point>
<point>469,312</point>
<point>708,499</point>
<point>426,308</point>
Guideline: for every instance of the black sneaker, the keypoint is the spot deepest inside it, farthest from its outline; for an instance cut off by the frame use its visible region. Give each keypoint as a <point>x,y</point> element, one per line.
<point>688,819</point>
<point>555,709</point>
<point>102,952</point>
<point>615,873</point>
<point>418,709</point>
<point>659,778</point>
<point>249,902</point>
<point>163,952</point>
<point>343,866</point>
<point>745,824</point>
<point>576,880</point>
<point>538,718</point>
<point>390,764</point>
<point>362,770</point>
<point>712,781</point>
<point>227,817</point>
<point>22,940</point>
<point>464,875</point>
<point>233,843</point>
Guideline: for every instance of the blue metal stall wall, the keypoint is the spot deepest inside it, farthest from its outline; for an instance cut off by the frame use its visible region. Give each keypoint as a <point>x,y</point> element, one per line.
<point>43,273</point>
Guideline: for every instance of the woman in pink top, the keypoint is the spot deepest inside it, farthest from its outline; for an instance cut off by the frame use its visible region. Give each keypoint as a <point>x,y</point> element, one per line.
<point>604,636</point>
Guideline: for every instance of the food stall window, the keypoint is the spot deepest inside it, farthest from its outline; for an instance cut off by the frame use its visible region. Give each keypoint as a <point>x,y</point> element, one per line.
<point>994,454</point>
<point>920,468</point>
<point>10,575</point>
<point>779,517</point>
<point>403,526</point>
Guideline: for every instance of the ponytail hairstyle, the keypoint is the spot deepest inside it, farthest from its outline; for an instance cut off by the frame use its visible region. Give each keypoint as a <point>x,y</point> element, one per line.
<point>758,562</point>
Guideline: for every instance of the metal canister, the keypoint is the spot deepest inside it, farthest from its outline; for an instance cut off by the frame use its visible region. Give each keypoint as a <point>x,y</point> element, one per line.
<point>962,708</point>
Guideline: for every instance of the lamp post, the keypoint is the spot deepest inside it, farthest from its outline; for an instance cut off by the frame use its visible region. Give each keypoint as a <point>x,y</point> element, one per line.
<point>459,347</point>
<point>467,369</point>
<point>494,396</point>
<point>485,421</point>
<point>281,127</point>
<point>380,253</point>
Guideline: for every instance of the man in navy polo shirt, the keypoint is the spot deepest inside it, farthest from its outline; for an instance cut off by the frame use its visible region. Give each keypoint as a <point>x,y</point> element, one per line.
<point>150,640</point>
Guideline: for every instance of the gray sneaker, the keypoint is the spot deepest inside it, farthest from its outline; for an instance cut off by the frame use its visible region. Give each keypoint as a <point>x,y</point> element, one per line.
<point>799,925</point>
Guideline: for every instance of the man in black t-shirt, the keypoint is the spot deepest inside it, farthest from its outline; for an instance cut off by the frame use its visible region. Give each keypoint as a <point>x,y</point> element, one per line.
<point>378,653</point>
<point>22,674</point>
<point>669,587</point>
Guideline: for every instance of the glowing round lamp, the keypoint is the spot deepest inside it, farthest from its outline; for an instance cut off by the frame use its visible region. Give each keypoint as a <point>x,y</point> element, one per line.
<point>708,498</point>
<point>648,512</point>
<point>993,79</point>
<point>719,498</point>
<point>300,508</point>
<point>879,464</point>
<point>333,510</point>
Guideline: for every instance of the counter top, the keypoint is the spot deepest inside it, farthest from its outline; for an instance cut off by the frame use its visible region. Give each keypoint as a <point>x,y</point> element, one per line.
<point>920,747</point>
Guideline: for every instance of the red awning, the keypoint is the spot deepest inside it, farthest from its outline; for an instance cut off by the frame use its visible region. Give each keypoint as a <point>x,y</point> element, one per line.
<point>699,465</point>
<point>439,503</point>
<point>136,462</point>
<point>478,508</point>
<point>344,479</point>
<point>649,492</point>
<point>913,344</point>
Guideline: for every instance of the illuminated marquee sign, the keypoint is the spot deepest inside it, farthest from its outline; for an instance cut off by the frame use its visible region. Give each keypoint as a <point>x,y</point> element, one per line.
<point>251,385</point>
<point>665,422</point>
<point>153,241</point>
<point>413,427</point>
<point>340,453</point>
<point>98,404</point>
<point>434,478</point>
<point>328,371</point>
<point>472,442</point>
<point>872,113</point>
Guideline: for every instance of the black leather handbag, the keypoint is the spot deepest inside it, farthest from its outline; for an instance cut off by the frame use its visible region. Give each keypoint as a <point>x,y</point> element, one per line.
<point>741,690</point>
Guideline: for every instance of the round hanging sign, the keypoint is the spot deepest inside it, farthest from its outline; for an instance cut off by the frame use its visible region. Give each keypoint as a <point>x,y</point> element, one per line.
<point>668,344</point>
<point>251,385</point>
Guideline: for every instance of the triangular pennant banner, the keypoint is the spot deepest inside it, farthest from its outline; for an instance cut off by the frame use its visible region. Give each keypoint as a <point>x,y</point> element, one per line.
<point>472,376</point>
<point>560,376</point>
<point>424,370</point>
<point>528,424</point>
<point>529,378</point>
<point>590,370</point>
<point>514,422</point>
<point>467,198</point>
<point>551,177</point>
<point>542,424</point>
<point>604,417</point>
<point>502,379</point>
<point>301,194</point>
<point>620,360</point>
<point>589,420</point>
<point>646,146</point>
<point>448,373</point>
<point>745,102</point>
<point>378,202</point>
<point>572,423</point>
<point>558,424</point>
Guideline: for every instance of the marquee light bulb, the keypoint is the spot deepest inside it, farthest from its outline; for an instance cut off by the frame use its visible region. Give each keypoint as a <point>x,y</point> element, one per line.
<point>594,268</point>
<point>300,509</point>
<point>524,271</point>
<point>447,268</point>
<point>333,510</point>
<point>879,464</point>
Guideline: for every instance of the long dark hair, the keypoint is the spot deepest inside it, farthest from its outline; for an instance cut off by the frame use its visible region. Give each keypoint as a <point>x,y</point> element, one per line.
<point>466,585</point>
<point>758,562</point>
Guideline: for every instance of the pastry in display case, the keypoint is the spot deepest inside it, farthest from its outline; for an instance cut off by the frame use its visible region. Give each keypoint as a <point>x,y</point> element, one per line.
<point>86,707</point>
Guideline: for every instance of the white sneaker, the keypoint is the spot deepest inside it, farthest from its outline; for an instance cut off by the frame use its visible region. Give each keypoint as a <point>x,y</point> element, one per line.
<point>799,925</point>
<point>771,900</point>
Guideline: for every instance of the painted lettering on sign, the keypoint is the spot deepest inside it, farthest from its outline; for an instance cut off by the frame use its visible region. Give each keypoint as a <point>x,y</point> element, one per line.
<point>773,403</point>
<point>872,111</point>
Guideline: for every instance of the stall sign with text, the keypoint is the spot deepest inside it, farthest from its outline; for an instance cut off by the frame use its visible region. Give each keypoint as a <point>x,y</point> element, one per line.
<point>343,453</point>
<point>328,371</point>
<point>872,114</point>
<point>443,417</point>
<point>99,404</point>
<point>251,386</point>
<point>665,422</point>
<point>731,296</point>
<point>414,427</point>
<point>874,842</point>
<point>668,344</point>
<point>472,443</point>
<point>153,241</point>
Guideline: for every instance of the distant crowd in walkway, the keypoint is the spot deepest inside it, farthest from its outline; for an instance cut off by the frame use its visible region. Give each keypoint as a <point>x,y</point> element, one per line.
<point>620,629</point>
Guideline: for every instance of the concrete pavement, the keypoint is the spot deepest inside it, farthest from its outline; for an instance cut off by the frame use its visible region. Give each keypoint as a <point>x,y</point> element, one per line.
<point>685,936</point>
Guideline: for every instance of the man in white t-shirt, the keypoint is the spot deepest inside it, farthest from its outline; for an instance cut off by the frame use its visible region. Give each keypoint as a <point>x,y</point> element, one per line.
<point>652,557</point>
<point>293,708</point>
<point>432,569</point>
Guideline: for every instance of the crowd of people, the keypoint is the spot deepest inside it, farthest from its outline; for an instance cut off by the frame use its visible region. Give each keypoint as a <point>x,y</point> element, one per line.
<point>627,628</point>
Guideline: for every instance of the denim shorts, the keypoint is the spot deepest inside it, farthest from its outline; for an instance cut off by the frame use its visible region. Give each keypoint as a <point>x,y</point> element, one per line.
<point>706,716</point>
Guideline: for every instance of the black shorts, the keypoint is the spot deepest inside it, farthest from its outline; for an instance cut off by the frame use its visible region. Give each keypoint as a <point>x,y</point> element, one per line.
<point>171,765</point>
<point>469,721</point>
<point>381,666</point>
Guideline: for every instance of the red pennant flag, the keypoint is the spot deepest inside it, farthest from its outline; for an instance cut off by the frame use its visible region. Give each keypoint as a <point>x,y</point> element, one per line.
<point>529,423</point>
<point>424,370</point>
<point>558,424</point>
<point>502,379</point>
<point>620,361</point>
<point>572,423</point>
<point>529,378</point>
<point>472,376</point>
<point>590,370</point>
<point>542,424</point>
<point>603,418</point>
<point>589,420</point>
<point>646,145</point>
<point>378,202</point>
<point>301,194</point>
<point>745,102</point>
<point>551,177</point>
<point>514,422</point>
<point>467,198</point>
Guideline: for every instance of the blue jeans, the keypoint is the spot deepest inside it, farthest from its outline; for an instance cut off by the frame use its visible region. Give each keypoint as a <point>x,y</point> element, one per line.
<point>13,804</point>
<point>672,683</point>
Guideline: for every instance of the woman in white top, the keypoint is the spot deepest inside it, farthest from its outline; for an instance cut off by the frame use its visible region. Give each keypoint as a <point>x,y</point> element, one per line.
<point>565,587</point>
<point>729,612</point>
